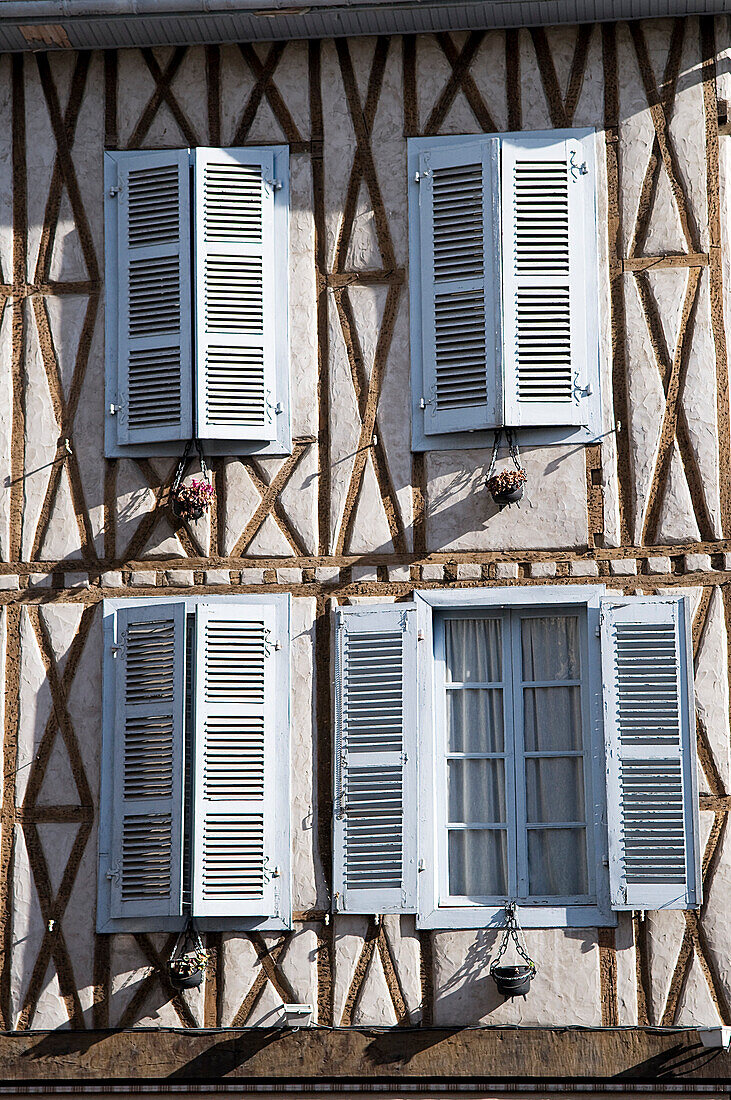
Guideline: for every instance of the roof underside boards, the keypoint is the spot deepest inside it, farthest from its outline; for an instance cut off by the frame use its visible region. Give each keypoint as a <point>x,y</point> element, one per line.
<point>106,24</point>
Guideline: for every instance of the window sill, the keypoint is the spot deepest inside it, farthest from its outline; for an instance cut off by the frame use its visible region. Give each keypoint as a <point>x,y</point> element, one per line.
<point>529,916</point>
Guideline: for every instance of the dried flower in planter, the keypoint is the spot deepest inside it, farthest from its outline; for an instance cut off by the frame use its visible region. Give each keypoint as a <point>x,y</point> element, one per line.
<point>507,486</point>
<point>192,501</point>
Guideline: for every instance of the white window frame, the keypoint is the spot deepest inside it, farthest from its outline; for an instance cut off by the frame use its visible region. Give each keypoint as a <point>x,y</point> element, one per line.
<point>598,422</point>
<point>282,443</point>
<point>281,604</point>
<point>432,819</point>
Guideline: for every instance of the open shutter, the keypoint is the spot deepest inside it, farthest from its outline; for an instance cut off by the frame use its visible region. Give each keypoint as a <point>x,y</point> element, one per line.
<point>153,304</point>
<point>375,754</point>
<point>457,201</point>
<point>235,871</point>
<point>235,293</point>
<point>549,256</point>
<point>652,801</point>
<point>146,858</point>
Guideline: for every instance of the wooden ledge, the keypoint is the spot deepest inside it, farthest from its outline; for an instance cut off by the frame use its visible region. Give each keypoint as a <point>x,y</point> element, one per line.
<point>313,1056</point>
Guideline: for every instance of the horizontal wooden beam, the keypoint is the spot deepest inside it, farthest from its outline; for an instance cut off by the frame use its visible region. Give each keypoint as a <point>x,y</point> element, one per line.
<point>323,1057</point>
<point>668,259</point>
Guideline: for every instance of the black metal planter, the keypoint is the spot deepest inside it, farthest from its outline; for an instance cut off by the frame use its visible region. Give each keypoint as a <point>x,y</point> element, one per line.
<point>185,981</point>
<point>512,981</point>
<point>508,496</point>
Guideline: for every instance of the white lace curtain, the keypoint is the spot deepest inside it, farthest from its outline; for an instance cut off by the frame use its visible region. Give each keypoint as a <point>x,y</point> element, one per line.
<point>551,788</point>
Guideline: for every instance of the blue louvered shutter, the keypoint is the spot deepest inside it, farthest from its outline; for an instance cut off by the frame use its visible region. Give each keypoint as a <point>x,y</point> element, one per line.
<point>236,254</point>
<point>375,760</point>
<point>649,719</point>
<point>148,659</point>
<point>148,303</point>
<point>457,225</point>
<point>550,334</point>
<point>236,870</point>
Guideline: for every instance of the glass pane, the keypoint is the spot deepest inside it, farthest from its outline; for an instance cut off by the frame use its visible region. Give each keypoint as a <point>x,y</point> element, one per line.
<point>554,787</point>
<point>552,719</point>
<point>473,650</point>
<point>476,791</point>
<point>478,862</point>
<point>557,862</point>
<point>475,720</point>
<point>551,648</point>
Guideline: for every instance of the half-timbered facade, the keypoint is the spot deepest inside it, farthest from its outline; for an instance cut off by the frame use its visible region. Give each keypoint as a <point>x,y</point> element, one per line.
<point>350,502</point>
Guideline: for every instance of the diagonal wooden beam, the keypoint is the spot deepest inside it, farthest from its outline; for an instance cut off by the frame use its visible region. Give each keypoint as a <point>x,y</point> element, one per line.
<point>393,983</point>
<point>364,151</point>
<point>367,395</point>
<point>269,504</point>
<point>271,964</point>
<point>652,173</point>
<point>375,83</point>
<point>53,946</point>
<point>259,984</point>
<point>158,962</point>
<point>673,383</point>
<point>664,139</point>
<point>467,83</point>
<point>562,109</point>
<point>455,83</point>
<point>55,191</point>
<point>269,89</point>
<point>263,76</point>
<point>162,94</point>
<point>362,966</point>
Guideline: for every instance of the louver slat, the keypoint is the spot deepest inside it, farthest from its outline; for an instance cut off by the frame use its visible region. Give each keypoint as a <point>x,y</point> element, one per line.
<point>148,761</point>
<point>458,349</point>
<point>152,308</point>
<point>236,294</point>
<point>650,751</point>
<point>544,244</point>
<point>375,760</point>
<point>234,766</point>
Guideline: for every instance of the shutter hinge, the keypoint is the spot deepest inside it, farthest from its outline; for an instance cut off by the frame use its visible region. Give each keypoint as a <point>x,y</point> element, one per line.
<point>114,191</point>
<point>276,185</point>
<point>114,872</point>
<point>421,866</point>
<point>425,175</point>
<point>114,409</point>
<point>582,391</point>
<point>575,169</point>
<point>270,407</point>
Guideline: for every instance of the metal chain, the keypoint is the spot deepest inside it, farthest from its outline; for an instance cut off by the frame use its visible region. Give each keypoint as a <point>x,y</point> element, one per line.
<point>183,465</point>
<point>513,451</point>
<point>495,451</point>
<point>512,928</point>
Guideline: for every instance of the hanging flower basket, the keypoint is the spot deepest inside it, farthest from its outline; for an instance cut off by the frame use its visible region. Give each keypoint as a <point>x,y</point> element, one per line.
<point>192,501</point>
<point>507,486</point>
<point>513,980</point>
<point>186,968</point>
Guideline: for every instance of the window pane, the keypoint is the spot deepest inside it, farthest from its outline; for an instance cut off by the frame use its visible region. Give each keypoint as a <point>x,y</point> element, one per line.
<point>477,791</point>
<point>475,720</point>
<point>554,788</point>
<point>473,650</point>
<point>557,862</point>
<point>552,719</point>
<point>551,648</point>
<point>478,862</point>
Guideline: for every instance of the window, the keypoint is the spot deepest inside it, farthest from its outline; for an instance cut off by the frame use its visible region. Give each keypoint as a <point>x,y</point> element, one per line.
<point>196,300</point>
<point>515,770</point>
<point>195,757</point>
<point>532,745</point>
<point>503,279</point>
